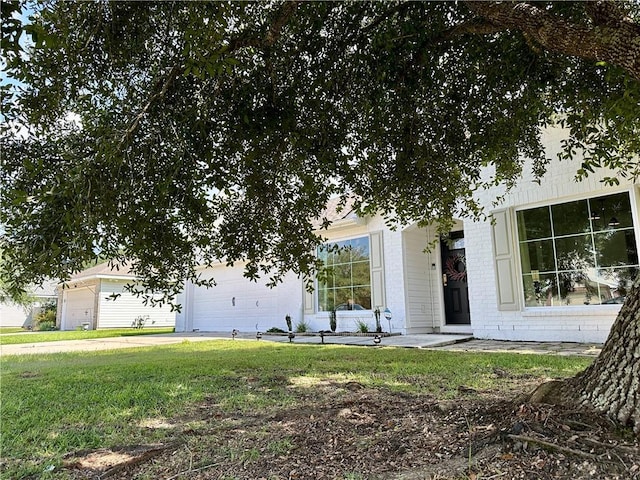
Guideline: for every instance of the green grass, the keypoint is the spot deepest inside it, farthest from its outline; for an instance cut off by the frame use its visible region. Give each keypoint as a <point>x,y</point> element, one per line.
<point>11,330</point>
<point>60,403</point>
<point>37,337</point>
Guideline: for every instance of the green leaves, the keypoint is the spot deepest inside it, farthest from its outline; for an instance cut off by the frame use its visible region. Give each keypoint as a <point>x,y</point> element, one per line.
<point>175,135</point>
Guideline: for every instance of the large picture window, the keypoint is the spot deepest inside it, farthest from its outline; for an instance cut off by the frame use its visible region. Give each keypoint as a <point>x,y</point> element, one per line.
<point>578,253</point>
<point>347,284</point>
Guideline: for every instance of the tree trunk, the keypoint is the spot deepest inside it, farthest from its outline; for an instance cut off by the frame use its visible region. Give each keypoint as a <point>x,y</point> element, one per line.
<point>611,384</point>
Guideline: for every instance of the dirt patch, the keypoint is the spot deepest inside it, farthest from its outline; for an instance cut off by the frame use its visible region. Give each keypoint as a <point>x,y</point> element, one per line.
<point>104,463</point>
<point>348,431</point>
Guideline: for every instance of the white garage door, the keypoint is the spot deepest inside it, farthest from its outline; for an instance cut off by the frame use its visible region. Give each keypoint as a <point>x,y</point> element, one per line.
<point>78,308</point>
<point>236,302</point>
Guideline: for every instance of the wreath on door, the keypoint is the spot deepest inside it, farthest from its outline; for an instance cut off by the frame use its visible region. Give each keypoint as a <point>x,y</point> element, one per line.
<point>456,268</point>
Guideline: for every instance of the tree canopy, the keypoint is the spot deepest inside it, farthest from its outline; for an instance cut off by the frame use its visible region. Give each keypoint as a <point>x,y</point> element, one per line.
<point>176,134</point>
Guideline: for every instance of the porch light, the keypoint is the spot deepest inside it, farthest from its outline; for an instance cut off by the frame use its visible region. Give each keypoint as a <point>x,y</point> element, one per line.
<point>258,335</point>
<point>387,315</point>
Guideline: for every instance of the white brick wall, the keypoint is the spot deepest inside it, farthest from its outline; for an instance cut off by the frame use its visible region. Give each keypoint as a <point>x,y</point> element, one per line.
<point>394,284</point>
<point>579,324</point>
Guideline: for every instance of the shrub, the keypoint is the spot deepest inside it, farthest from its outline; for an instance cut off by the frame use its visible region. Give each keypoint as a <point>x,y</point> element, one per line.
<point>47,326</point>
<point>302,327</point>
<point>275,330</point>
<point>46,316</point>
<point>362,326</point>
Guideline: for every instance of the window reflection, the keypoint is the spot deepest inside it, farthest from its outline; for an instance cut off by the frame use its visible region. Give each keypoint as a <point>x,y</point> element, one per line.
<point>578,253</point>
<point>346,282</point>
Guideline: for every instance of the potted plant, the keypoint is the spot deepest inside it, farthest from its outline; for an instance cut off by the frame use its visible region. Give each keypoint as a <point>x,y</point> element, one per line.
<point>376,312</point>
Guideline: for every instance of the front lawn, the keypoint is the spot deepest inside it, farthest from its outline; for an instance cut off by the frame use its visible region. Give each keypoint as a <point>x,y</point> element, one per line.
<point>11,330</point>
<point>252,409</point>
<point>55,336</point>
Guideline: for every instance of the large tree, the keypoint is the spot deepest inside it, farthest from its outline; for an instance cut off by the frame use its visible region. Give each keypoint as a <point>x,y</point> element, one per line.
<point>176,134</point>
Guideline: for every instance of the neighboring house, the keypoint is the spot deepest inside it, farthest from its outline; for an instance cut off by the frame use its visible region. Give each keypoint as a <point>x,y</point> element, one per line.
<point>14,315</point>
<point>96,298</point>
<point>554,265</point>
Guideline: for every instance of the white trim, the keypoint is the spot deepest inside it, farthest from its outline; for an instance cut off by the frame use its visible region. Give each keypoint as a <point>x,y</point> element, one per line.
<point>574,197</point>
<point>564,311</point>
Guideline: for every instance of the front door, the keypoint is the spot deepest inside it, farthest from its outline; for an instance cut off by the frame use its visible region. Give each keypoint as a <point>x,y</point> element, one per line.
<point>454,279</point>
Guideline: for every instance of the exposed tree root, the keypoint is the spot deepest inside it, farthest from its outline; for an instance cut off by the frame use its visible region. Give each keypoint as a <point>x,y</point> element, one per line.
<point>553,446</point>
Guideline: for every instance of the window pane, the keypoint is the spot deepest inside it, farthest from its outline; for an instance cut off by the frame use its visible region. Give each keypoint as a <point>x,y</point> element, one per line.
<point>616,248</point>
<point>342,275</point>
<point>574,253</point>
<point>619,280</point>
<point>342,255</point>
<point>570,218</point>
<point>360,249</point>
<point>537,256</point>
<point>323,300</point>
<point>612,207</point>
<point>576,288</point>
<point>534,223</point>
<point>361,273</point>
<point>327,280</point>
<point>362,297</point>
<point>343,295</point>
<point>322,253</point>
<point>540,290</point>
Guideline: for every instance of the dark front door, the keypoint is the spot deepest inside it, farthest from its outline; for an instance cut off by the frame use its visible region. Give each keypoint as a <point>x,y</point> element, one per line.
<point>454,280</point>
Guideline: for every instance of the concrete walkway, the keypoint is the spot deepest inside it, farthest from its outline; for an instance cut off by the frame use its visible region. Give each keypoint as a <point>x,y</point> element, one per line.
<point>427,341</point>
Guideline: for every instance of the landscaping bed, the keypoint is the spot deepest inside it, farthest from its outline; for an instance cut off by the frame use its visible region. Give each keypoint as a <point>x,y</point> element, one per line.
<point>335,334</point>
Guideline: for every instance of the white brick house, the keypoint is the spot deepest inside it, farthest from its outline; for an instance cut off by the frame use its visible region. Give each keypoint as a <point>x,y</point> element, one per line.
<point>551,267</point>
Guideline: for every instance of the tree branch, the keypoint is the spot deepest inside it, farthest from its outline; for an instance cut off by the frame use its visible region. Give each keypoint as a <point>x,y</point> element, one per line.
<point>611,42</point>
<point>476,26</point>
<point>389,13</point>
<point>168,80</point>
<point>274,32</point>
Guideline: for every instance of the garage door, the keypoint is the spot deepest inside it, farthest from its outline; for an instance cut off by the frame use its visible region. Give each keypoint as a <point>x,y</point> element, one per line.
<point>236,302</point>
<point>78,308</point>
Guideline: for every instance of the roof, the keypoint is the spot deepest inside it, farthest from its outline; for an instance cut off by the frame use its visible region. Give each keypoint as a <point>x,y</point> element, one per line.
<point>104,270</point>
<point>47,289</point>
<point>337,213</point>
